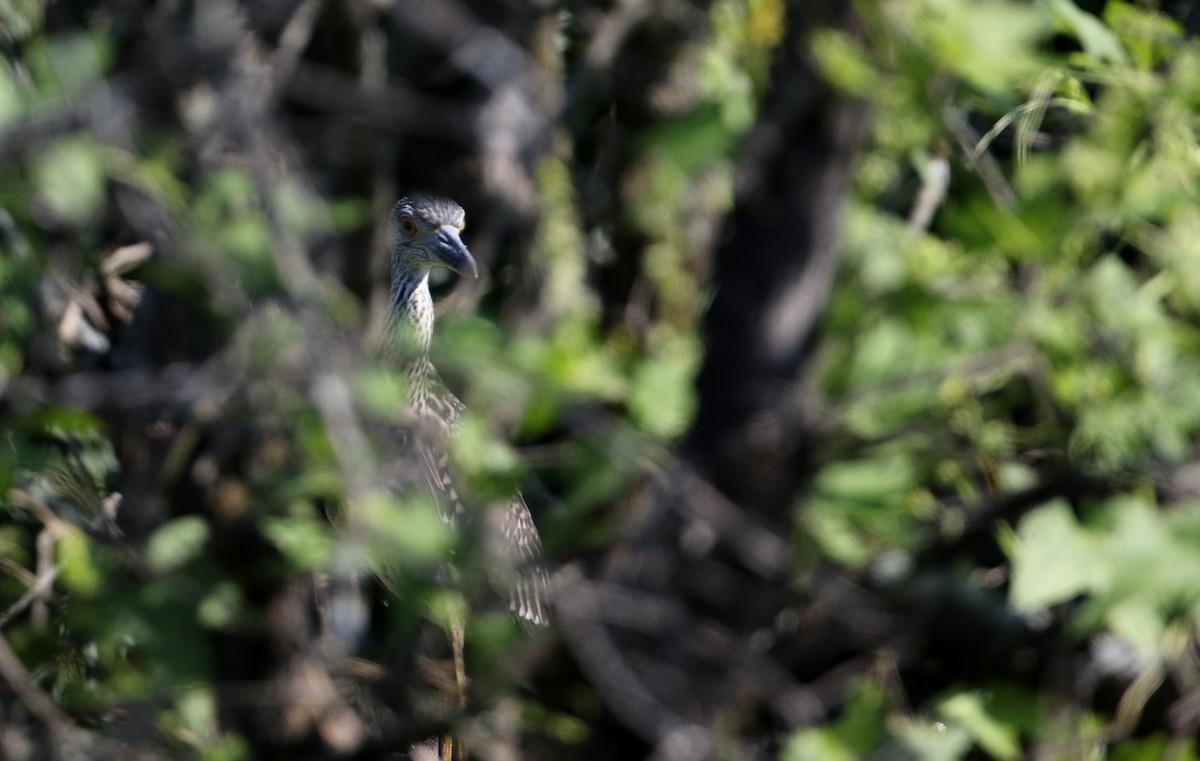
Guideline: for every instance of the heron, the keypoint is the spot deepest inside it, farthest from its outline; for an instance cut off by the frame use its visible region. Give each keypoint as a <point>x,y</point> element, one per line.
<point>426,233</point>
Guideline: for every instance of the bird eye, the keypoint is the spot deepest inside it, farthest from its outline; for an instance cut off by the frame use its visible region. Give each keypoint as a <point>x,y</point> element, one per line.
<point>408,226</point>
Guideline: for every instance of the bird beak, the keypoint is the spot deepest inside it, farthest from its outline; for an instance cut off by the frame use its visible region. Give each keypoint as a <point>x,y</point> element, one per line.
<point>450,252</point>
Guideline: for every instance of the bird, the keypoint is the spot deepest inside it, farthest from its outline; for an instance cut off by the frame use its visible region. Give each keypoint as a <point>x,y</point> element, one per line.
<point>425,232</point>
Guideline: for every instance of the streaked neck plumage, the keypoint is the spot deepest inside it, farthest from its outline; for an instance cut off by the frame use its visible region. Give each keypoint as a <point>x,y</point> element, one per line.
<point>409,334</point>
<point>410,312</point>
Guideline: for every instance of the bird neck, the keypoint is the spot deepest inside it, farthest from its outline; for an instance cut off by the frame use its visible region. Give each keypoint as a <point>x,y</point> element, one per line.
<point>410,313</point>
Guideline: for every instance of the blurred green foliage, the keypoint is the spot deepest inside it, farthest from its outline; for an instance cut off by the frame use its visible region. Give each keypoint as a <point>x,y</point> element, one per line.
<point>1059,328</point>
<point>1048,313</point>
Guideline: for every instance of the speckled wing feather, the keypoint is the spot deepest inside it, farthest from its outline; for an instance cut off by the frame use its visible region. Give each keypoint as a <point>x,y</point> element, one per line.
<point>444,410</point>
<point>529,592</point>
<point>523,574</point>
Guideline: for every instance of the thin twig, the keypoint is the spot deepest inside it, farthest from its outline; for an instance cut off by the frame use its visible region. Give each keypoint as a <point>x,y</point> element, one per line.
<point>47,711</point>
<point>18,571</point>
<point>36,592</point>
<point>47,540</point>
<point>983,163</point>
<point>933,192</point>
<point>294,39</point>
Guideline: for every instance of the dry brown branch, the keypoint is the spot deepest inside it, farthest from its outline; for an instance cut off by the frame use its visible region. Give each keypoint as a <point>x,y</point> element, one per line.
<point>61,728</point>
<point>38,591</point>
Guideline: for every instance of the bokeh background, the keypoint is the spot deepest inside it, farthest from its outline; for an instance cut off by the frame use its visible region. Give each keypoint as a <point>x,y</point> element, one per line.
<point>848,355</point>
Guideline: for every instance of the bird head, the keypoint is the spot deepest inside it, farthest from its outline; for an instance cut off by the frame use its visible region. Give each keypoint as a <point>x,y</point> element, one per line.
<point>425,234</point>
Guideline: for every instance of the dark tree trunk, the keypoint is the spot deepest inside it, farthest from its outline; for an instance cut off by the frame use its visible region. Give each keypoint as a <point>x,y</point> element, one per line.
<point>708,563</point>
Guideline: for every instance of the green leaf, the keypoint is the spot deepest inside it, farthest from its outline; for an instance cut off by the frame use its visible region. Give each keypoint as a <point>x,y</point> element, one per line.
<point>402,532</point>
<point>661,398</point>
<point>70,179</point>
<point>349,214</point>
<point>856,733</point>
<point>67,64</point>
<point>1154,748</point>
<point>999,739</point>
<point>935,741</point>
<point>991,45</point>
<point>843,62</point>
<point>221,606</point>
<point>77,569</point>
<point>229,747</point>
<point>816,745</point>
<point>383,391</point>
<point>1140,623</point>
<point>304,539</point>
<point>1099,42</point>
<point>176,542</point>
<point>881,479</point>
<point>1055,559</point>
<point>197,708</point>
<point>1151,37</point>
<point>695,139</point>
